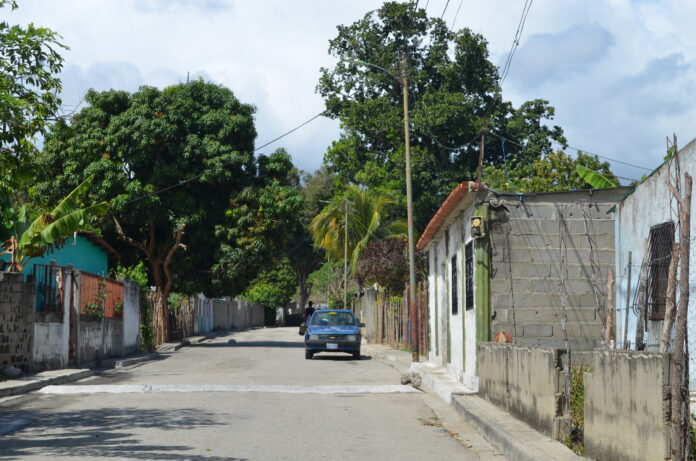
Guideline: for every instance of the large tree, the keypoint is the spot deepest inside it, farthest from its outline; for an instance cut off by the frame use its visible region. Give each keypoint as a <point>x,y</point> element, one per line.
<point>172,163</point>
<point>454,93</point>
<point>30,64</point>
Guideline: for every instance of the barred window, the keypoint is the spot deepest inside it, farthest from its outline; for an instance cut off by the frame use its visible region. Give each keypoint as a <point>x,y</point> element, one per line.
<point>455,286</point>
<point>469,271</point>
<point>660,252</point>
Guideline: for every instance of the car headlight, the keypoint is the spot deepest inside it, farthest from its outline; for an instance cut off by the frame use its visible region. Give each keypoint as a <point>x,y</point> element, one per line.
<point>313,337</point>
<point>352,337</point>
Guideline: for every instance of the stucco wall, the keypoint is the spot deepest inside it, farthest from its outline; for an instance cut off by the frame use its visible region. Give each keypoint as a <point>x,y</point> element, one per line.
<point>649,205</point>
<point>527,382</point>
<point>627,406</point>
<point>16,321</point>
<point>527,263</point>
<point>236,314</point>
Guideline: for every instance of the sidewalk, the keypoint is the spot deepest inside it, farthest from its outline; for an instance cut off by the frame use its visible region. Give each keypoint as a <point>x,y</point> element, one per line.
<point>67,375</point>
<point>515,439</point>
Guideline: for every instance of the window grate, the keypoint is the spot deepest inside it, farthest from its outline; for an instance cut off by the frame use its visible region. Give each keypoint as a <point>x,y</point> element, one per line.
<point>469,272</point>
<point>660,251</point>
<point>455,286</point>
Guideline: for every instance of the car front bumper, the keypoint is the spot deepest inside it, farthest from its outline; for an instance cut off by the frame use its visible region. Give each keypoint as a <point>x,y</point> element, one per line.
<point>342,346</point>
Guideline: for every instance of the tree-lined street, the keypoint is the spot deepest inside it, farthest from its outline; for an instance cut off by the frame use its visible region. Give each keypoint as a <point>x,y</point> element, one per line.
<point>273,405</point>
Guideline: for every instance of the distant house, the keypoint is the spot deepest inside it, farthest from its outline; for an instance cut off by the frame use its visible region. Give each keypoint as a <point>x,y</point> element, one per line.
<point>516,264</point>
<point>84,250</point>
<point>646,221</point>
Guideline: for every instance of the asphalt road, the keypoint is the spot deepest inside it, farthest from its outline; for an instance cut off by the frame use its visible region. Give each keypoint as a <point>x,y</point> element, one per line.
<point>247,396</point>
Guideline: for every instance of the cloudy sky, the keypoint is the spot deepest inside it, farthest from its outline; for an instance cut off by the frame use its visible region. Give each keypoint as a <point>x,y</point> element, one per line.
<point>619,72</point>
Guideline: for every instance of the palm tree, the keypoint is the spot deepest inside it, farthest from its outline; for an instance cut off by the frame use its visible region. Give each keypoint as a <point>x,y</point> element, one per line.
<point>367,212</point>
<point>31,240</point>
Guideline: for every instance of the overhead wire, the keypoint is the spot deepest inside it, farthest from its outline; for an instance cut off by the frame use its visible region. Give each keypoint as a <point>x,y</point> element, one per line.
<point>456,14</point>
<point>200,175</point>
<point>501,137</point>
<point>443,11</point>
<point>516,40</point>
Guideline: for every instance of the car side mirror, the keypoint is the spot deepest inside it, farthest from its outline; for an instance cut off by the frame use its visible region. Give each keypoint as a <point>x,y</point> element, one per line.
<point>362,325</point>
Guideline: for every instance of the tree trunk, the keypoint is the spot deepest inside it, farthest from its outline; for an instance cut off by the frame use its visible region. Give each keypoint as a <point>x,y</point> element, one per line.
<point>680,390</point>
<point>642,298</point>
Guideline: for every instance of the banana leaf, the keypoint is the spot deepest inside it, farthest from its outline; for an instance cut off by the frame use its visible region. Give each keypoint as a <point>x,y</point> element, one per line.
<point>593,178</point>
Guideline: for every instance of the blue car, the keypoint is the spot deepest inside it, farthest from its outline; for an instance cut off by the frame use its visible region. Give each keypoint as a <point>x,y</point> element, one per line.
<point>332,330</point>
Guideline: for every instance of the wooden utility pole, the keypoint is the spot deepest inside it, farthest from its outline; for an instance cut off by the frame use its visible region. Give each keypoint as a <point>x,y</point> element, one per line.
<point>670,299</point>
<point>345,258</point>
<point>680,379</point>
<point>482,147</point>
<point>415,356</point>
<point>610,310</point>
<point>642,298</point>
<point>628,300</point>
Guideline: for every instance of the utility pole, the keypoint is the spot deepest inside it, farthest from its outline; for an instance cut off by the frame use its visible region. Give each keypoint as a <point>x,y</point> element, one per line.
<point>345,258</point>
<point>481,150</point>
<point>415,356</point>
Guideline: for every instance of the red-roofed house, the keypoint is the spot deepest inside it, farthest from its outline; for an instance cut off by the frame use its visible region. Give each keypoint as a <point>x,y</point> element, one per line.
<point>517,264</point>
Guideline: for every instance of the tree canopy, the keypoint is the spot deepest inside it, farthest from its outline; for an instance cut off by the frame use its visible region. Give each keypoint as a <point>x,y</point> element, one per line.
<point>453,90</point>
<point>178,168</point>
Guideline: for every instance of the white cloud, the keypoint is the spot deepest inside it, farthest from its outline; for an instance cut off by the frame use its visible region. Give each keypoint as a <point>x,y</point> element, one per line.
<point>617,71</point>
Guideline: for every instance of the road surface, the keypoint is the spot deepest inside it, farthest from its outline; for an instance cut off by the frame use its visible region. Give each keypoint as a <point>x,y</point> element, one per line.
<point>246,396</point>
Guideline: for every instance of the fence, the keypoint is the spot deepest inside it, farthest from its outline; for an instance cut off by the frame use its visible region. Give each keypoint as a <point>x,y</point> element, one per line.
<point>100,294</point>
<point>388,321</point>
<point>50,288</point>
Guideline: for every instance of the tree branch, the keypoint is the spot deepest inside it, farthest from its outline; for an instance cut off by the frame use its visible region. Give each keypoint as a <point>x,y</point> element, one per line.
<point>675,193</point>
<point>168,260</point>
<point>140,246</point>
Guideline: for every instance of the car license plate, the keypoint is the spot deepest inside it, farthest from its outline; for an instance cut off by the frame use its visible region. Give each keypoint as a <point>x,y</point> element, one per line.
<point>331,346</point>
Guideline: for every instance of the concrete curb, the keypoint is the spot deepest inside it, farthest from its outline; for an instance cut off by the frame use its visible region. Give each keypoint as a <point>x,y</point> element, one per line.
<point>516,440</point>
<point>56,377</point>
<point>33,383</point>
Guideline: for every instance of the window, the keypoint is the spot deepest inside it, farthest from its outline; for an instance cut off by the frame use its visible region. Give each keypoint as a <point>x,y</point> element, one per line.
<point>469,272</point>
<point>660,252</point>
<point>455,286</point>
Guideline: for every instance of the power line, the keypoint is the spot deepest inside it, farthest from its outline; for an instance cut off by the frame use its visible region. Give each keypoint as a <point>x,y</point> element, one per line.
<point>604,157</point>
<point>516,40</point>
<point>456,14</point>
<point>443,11</point>
<point>578,150</point>
<point>200,175</point>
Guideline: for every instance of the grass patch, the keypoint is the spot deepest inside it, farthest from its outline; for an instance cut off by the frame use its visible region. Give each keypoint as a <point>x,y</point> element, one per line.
<point>576,439</point>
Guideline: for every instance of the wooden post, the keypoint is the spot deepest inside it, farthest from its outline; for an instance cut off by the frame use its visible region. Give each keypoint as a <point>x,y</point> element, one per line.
<point>642,298</point>
<point>670,301</point>
<point>610,310</point>
<point>628,299</point>
<point>680,390</point>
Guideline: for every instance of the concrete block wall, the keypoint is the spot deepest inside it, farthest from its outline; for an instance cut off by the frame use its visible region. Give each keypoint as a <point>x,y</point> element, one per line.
<point>627,406</point>
<point>16,321</point>
<point>526,382</point>
<point>236,314</point>
<point>526,237</point>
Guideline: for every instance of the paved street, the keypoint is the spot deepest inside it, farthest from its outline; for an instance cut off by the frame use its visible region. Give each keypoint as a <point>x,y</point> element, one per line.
<point>247,396</point>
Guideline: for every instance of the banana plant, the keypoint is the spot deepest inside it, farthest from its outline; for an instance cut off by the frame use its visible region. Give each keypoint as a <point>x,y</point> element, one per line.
<point>593,178</point>
<point>33,240</point>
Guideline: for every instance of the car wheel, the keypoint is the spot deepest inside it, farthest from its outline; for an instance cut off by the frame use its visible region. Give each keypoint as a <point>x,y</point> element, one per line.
<point>356,355</point>
<point>308,354</point>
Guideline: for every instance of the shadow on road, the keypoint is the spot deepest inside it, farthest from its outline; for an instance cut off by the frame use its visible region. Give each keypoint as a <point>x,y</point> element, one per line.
<point>108,432</point>
<point>283,344</point>
<point>340,358</point>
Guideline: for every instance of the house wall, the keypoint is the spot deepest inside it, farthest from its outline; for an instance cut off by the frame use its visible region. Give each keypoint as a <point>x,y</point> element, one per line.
<point>452,336</point>
<point>527,264</point>
<point>16,321</point>
<point>649,205</point>
<point>80,252</point>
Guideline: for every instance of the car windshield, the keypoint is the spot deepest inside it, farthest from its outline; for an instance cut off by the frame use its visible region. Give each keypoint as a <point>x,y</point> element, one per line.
<point>332,318</point>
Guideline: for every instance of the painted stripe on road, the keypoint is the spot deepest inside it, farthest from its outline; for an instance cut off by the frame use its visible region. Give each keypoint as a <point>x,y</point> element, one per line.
<point>161,388</point>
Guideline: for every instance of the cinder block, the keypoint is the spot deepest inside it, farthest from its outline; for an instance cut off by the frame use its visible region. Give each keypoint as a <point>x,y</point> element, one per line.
<point>579,330</point>
<point>538,330</point>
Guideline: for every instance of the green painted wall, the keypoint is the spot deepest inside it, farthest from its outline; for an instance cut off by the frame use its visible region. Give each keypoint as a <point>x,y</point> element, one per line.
<point>482,278</point>
<point>81,253</point>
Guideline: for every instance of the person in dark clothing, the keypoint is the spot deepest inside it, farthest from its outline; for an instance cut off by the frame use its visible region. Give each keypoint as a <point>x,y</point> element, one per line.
<point>309,310</point>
